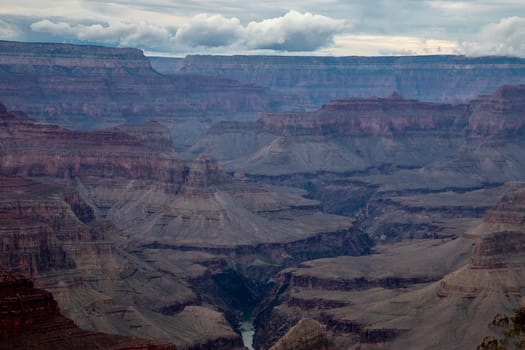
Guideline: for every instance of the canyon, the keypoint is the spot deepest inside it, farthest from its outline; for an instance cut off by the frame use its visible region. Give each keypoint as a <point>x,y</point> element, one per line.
<point>94,87</point>
<point>406,295</point>
<point>139,242</point>
<point>164,208</point>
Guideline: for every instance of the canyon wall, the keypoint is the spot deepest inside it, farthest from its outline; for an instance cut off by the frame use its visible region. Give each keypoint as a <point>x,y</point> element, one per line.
<point>320,79</point>
<point>356,135</point>
<point>94,87</point>
<point>30,319</point>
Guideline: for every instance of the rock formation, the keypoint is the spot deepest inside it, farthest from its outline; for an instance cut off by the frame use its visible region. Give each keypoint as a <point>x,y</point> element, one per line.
<point>427,78</point>
<point>133,239</point>
<point>307,334</point>
<point>364,136</point>
<point>38,149</point>
<point>31,319</point>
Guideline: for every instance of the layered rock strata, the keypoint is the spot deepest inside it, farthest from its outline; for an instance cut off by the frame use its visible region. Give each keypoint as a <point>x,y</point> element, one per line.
<point>91,86</point>
<point>29,148</point>
<point>31,319</point>
<point>428,78</point>
<point>362,136</point>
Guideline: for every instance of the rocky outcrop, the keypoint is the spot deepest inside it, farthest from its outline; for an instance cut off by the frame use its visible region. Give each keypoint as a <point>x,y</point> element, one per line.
<point>31,319</point>
<point>499,254</point>
<point>474,277</point>
<point>307,334</point>
<point>137,241</point>
<point>351,296</point>
<point>368,117</point>
<point>29,148</point>
<point>205,172</point>
<point>40,229</point>
<point>427,78</point>
<point>501,112</point>
<point>153,134</point>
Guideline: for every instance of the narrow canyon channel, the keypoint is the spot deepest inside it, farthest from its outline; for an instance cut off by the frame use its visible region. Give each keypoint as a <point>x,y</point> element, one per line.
<point>247,330</point>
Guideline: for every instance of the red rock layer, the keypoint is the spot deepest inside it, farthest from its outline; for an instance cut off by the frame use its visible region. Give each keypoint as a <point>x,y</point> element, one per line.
<point>57,81</point>
<point>499,112</point>
<point>370,116</point>
<point>502,110</point>
<point>504,247</point>
<point>28,148</point>
<point>36,221</point>
<point>30,319</point>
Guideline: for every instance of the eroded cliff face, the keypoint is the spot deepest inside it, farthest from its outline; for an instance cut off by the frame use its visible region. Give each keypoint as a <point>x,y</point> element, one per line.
<point>30,319</point>
<point>41,231</point>
<point>97,87</point>
<point>320,79</point>
<point>30,148</point>
<point>307,334</point>
<point>368,117</point>
<point>367,138</point>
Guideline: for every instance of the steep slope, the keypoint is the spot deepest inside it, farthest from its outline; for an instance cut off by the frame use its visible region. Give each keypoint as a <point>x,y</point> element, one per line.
<point>38,149</point>
<point>427,78</point>
<point>307,334</point>
<point>30,319</point>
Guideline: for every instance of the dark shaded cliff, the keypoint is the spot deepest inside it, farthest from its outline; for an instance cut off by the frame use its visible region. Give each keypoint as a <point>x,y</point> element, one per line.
<point>31,319</point>
<point>426,78</point>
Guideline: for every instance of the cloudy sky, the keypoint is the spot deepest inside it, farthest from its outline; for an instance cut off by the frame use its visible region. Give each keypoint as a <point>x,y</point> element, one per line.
<point>307,27</point>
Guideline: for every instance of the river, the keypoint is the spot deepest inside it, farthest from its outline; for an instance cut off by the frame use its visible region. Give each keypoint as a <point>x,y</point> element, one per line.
<point>247,330</point>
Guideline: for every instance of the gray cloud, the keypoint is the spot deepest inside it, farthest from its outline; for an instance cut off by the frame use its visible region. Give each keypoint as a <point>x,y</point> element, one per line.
<point>309,26</point>
<point>140,34</point>
<point>8,31</point>
<point>210,30</point>
<point>294,31</point>
<point>506,37</point>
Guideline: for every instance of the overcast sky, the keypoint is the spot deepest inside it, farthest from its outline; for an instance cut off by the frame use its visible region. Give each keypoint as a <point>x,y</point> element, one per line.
<point>307,27</point>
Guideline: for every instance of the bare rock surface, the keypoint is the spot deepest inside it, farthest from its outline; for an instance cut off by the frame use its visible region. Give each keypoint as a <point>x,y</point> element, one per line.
<point>93,87</point>
<point>31,319</point>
